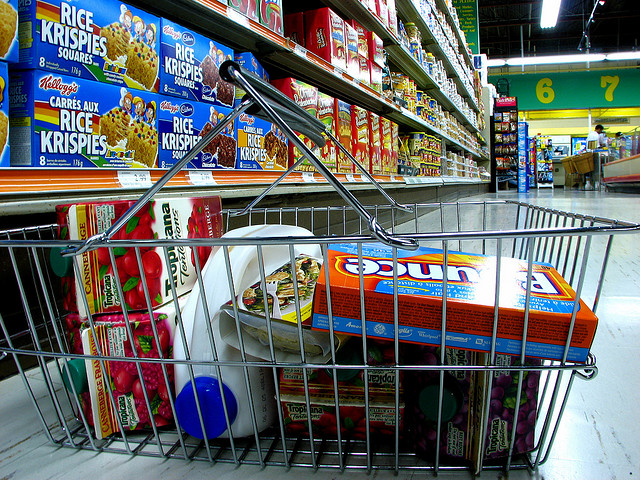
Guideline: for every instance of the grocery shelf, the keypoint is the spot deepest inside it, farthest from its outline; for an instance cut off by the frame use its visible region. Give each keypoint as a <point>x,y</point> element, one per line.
<point>462,39</point>
<point>369,20</point>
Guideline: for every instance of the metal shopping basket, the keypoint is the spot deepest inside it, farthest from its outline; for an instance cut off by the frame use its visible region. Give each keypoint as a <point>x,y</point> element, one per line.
<point>35,333</point>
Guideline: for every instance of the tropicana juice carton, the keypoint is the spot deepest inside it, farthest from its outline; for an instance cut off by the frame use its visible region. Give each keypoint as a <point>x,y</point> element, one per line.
<point>169,218</point>
<point>471,280</point>
<point>60,121</point>
<point>107,41</point>
<point>190,66</point>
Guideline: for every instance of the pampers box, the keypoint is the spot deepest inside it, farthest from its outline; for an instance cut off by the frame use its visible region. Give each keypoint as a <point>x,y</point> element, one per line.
<point>4,115</point>
<point>60,121</point>
<point>182,124</point>
<point>107,41</point>
<point>471,281</point>
<point>9,31</point>
<point>190,66</point>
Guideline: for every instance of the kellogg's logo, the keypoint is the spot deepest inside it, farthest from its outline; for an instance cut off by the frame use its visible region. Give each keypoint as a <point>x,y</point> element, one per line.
<point>248,119</point>
<point>188,39</point>
<point>55,83</point>
<point>186,109</point>
<point>170,31</point>
<point>167,106</point>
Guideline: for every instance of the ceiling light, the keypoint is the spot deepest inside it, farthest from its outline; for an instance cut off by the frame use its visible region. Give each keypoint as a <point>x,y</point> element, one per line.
<point>551,59</point>
<point>549,16</point>
<point>624,56</point>
<point>495,62</point>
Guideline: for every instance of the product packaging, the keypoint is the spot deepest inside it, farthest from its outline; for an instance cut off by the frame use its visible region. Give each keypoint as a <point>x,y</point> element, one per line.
<point>111,43</point>
<point>351,38</point>
<point>342,111</point>
<point>393,16</point>
<point>182,124</point>
<point>360,136</point>
<point>326,36</point>
<point>190,66</point>
<point>352,410</point>
<point>326,114</point>
<point>375,79</point>
<point>365,70</point>
<point>363,43</point>
<point>306,96</point>
<point>159,219</point>
<point>395,134</point>
<point>375,145</point>
<point>376,49</point>
<point>382,10</point>
<point>271,15</point>
<point>249,8</point>
<point>5,149</point>
<point>261,145</point>
<point>385,146</point>
<point>470,310</point>
<point>9,31</point>
<point>60,121</point>
<point>294,28</point>
<point>250,63</point>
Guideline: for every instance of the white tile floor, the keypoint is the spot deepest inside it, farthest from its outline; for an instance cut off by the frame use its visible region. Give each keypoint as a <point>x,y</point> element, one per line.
<point>599,437</point>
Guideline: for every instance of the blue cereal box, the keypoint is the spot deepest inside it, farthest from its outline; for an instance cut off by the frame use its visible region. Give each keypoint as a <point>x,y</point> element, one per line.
<point>9,31</point>
<point>4,115</point>
<point>107,41</point>
<point>182,124</point>
<point>261,145</point>
<point>60,121</point>
<point>190,66</point>
<point>249,62</point>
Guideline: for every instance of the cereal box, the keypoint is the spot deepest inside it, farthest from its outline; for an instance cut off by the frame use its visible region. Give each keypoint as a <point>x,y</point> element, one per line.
<point>111,42</point>
<point>375,79</point>
<point>376,49</point>
<point>294,27</point>
<point>360,136</point>
<point>385,145</point>
<point>395,134</point>
<point>342,111</point>
<point>249,62</point>
<point>4,116</point>
<point>375,159</point>
<point>248,8</point>
<point>325,36</point>
<point>326,114</point>
<point>352,412</point>
<point>363,43</point>
<point>306,96</point>
<point>351,36</point>
<point>9,31</point>
<point>261,145</point>
<point>190,66</point>
<point>60,121</point>
<point>470,310</point>
<point>271,15</point>
<point>162,218</point>
<point>182,124</point>
<point>393,16</point>
<point>365,73</point>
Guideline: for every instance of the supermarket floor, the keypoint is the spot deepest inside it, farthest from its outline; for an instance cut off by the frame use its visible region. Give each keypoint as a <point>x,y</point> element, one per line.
<point>599,437</point>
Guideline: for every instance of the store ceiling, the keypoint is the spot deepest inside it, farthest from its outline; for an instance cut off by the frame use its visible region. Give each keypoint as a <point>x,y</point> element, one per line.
<point>507,27</point>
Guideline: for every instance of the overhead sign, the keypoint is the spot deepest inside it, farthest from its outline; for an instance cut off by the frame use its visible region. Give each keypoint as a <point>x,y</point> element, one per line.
<point>594,89</point>
<point>468,16</point>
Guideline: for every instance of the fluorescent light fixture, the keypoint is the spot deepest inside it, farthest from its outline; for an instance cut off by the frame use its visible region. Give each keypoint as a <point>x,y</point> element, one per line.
<point>551,59</point>
<point>495,62</point>
<point>624,56</point>
<point>549,16</point>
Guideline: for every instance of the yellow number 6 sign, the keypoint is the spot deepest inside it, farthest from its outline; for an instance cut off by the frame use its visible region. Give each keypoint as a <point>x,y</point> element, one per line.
<point>544,92</point>
<point>610,83</point>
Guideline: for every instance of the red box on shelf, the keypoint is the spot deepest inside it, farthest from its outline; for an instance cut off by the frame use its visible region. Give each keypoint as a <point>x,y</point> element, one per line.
<point>360,135</point>
<point>375,160</point>
<point>294,27</point>
<point>382,10</point>
<point>326,114</point>
<point>363,45</point>
<point>351,36</point>
<point>342,111</point>
<point>325,36</point>
<point>376,48</point>
<point>385,145</point>
<point>375,76</point>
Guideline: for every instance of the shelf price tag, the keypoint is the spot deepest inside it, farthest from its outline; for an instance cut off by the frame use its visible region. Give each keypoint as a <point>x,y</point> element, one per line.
<point>350,177</point>
<point>201,177</point>
<point>308,177</point>
<point>237,17</point>
<point>135,178</point>
<point>300,51</point>
<point>364,179</point>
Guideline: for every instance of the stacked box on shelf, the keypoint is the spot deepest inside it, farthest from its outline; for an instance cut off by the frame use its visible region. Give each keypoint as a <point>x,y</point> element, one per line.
<point>360,136</point>
<point>261,145</point>
<point>60,121</point>
<point>111,43</point>
<point>326,114</point>
<point>351,38</point>
<point>9,31</point>
<point>385,146</point>
<point>325,36</point>
<point>271,15</point>
<point>190,66</point>
<point>5,151</point>
<point>249,8</point>
<point>342,111</point>
<point>363,52</point>
<point>182,124</point>
<point>294,27</point>
<point>375,144</point>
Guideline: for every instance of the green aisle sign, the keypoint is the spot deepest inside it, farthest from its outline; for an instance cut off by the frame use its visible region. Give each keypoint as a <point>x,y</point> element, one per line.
<point>468,16</point>
<point>595,89</point>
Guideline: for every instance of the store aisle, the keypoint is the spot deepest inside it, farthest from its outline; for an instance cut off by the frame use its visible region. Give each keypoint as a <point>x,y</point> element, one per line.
<point>599,437</point>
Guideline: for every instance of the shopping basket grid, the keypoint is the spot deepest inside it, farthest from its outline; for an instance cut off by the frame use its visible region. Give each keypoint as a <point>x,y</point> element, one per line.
<point>34,329</point>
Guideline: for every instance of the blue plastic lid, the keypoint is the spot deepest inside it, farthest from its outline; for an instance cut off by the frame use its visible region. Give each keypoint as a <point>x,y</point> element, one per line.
<point>211,406</point>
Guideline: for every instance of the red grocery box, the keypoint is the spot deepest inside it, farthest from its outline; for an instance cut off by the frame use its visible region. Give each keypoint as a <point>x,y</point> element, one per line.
<point>382,10</point>
<point>360,135</point>
<point>376,49</point>
<point>365,74</point>
<point>385,145</point>
<point>248,8</point>
<point>363,45</point>
<point>271,15</point>
<point>166,218</point>
<point>375,78</point>
<point>394,147</point>
<point>325,36</point>
<point>470,309</point>
<point>351,395</point>
<point>294,27</point>
<point>375,159</point>
<point>393,16</point>
<point>342,111</point>
<point>351,36</point>
<point>326,114</point>
<point>306,96</point>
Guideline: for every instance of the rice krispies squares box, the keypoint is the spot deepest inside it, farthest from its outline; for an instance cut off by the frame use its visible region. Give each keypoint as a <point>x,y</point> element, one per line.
<point>107,41</point>
<point>182,124</point>
<point>60,121</point>
<point>261,145</point>
<point>4,116</point>
<point>190,66</point>
<point>9,31</point>
<point>470,310</point>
